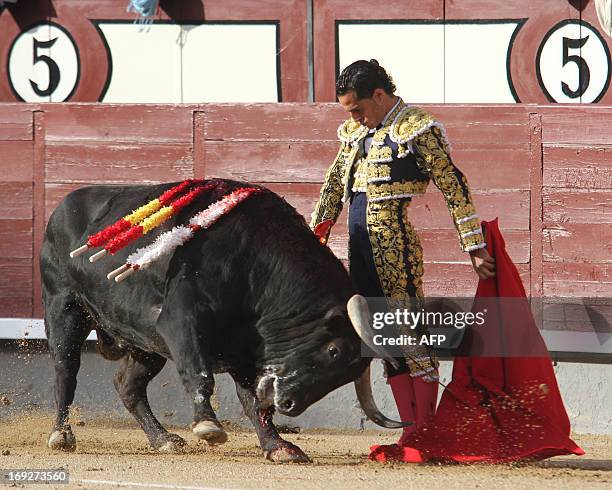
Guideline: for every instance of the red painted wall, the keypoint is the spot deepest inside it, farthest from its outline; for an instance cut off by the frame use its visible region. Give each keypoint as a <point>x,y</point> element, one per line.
<point>545,171</point>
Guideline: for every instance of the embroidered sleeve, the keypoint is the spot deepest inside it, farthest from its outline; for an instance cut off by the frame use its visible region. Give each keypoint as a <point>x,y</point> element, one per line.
<point>433,156</point>
<point>329,205</point>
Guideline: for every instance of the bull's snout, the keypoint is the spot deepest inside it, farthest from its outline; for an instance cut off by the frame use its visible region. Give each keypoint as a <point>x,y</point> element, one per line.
<point>275,390</point>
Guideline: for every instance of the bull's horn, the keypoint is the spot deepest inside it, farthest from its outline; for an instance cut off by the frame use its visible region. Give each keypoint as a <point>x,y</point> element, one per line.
<point>359,313</point>
<point>366,400</point>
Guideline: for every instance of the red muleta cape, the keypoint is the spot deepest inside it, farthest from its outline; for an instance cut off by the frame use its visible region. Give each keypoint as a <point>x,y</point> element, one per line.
<point>495,409</point>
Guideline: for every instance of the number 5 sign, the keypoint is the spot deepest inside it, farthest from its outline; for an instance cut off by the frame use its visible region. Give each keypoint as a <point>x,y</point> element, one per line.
<point>573,63</point>
<point>43,64</point>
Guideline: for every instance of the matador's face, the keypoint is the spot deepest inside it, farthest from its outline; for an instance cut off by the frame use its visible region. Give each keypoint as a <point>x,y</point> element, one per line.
<point>367,111</point>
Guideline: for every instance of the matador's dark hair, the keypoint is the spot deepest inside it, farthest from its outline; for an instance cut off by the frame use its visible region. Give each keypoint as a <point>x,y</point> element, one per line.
<point>364,77</point>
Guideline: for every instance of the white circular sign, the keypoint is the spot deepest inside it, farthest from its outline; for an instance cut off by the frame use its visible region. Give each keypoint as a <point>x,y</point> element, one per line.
<point>573,63</point>
<point>43,64</point>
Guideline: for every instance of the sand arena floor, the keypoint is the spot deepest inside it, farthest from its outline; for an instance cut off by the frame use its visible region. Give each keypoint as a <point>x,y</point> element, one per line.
<point>115,453</point>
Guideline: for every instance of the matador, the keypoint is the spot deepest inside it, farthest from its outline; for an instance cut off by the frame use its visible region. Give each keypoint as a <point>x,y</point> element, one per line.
<point>389,152</point>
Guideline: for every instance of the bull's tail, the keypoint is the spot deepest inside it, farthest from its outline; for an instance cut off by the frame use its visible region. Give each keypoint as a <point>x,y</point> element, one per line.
<point>108,347</point>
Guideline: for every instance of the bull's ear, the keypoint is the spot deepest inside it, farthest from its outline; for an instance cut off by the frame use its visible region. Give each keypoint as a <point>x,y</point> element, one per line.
<point>335,316</point>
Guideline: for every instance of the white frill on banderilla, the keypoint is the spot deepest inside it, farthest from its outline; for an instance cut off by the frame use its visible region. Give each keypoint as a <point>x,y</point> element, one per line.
<point>163,245</point>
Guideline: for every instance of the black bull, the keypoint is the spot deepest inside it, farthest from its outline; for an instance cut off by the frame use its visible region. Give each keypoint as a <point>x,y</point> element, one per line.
<point>256,296</point>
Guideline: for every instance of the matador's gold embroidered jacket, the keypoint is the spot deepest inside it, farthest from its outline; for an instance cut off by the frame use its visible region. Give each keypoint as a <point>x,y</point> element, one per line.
<point>408,151</point>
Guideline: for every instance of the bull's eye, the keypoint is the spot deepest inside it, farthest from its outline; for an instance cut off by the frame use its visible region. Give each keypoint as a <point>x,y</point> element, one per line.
<point>333,351</point>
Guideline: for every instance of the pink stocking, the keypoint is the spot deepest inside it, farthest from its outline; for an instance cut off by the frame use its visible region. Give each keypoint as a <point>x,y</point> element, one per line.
<point>426,394</point>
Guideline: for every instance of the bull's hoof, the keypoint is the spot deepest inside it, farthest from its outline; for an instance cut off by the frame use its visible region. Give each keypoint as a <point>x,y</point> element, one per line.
<point>62,440</point>
<point>287,453</point>
<point>210,431</point>
<point>170,444</point>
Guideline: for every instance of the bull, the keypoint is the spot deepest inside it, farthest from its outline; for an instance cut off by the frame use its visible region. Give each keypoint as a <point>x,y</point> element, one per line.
<point>256,296</point>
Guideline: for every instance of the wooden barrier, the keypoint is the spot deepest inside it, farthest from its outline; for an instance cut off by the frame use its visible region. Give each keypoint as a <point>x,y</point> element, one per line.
<point>545,171</point>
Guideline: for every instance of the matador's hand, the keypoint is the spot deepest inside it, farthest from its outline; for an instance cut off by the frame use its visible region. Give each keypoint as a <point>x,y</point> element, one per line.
<point>483,263</point>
